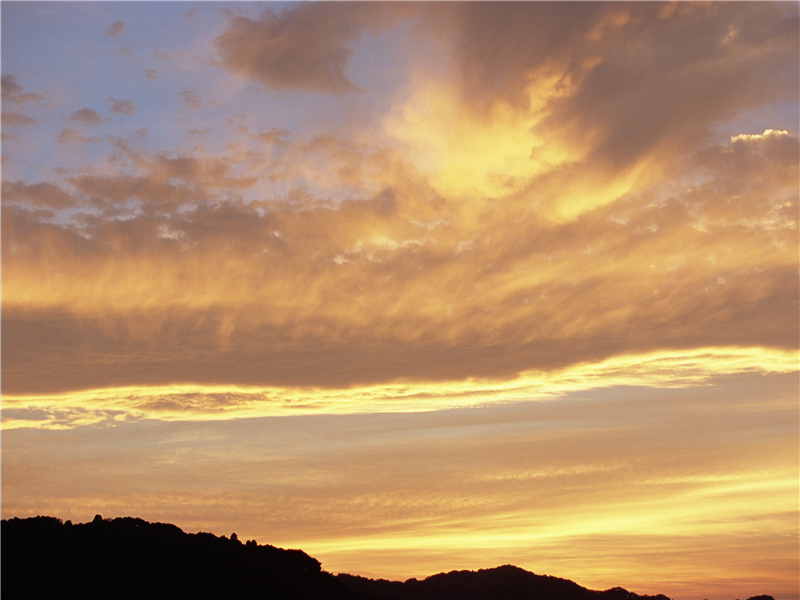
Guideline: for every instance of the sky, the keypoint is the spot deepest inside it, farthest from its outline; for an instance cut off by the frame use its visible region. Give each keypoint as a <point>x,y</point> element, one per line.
<point>413,287</point>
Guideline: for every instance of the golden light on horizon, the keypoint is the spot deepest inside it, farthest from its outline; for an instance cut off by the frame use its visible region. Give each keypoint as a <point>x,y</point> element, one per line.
<point>187,402</point>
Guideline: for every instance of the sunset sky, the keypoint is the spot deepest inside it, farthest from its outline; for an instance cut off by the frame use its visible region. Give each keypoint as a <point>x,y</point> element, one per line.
<point>412,287</point>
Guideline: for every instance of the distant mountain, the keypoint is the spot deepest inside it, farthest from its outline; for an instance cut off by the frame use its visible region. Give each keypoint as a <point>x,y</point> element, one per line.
<point>506,583</point>
<point>127,558</point>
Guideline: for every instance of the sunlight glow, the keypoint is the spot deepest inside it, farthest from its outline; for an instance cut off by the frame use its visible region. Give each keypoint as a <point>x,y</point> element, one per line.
<point>210,403</point>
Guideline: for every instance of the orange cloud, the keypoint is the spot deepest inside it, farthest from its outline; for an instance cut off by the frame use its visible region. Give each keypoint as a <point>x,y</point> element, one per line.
<point>190,402</point>
<point>575,92</point>
<point>38,194</point>
<point>404,276</point>
<point>523,291</point>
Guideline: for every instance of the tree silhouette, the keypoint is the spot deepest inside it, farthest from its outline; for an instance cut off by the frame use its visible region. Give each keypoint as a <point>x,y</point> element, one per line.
<point>129,558</point>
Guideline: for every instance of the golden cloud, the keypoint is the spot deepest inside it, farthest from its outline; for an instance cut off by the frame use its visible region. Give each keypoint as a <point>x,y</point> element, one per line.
<point>561,222</point>
<point>403,280</point>
<point>224,402</point>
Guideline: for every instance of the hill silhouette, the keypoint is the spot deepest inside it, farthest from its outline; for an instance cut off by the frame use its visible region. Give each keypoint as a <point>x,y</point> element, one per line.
<point>507,582</point>
<point>126,558</point>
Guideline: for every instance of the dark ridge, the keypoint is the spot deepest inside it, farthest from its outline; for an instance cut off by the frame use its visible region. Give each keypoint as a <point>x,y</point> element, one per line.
<point>506,583</point>
<point>127,558</point>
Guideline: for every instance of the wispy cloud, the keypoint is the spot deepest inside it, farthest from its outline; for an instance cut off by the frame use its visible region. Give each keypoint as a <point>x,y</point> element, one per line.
<point>398,276</point>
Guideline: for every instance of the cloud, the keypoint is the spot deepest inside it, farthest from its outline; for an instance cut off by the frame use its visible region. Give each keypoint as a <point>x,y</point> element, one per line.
<point>121,107</point>
<point>606,93</point>
<point>87,117</point>
<point>550,253</point>
<point>191,99</point>
<point>657,370</point>
<point>488,66</point>
<point>273,136</point>
<point>17,120</point>
<point>10,86</point>
<point>150,74</point>
<point>469,238</point>
<point>115,29</point>
<point>12,92</point>
<point>155,182</point>
<point>638,107</point>
<point>412,285</point>
<point>125,51</point>
<point>38,194</point>
<point>303,47</point>
<point>69,135</point>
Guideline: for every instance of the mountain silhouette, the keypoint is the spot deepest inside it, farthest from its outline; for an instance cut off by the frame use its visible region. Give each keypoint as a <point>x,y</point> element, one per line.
<point>507,583</point>
<point>127,558</point>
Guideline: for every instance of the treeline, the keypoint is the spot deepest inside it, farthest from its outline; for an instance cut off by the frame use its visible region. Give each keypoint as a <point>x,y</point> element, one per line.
<point>127,558</point>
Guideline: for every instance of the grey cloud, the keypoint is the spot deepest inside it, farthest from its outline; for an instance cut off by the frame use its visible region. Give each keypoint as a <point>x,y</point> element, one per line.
<point>498,44</point>
<point>10,86</point>
<point>273,136</point>
<point>121,107</point>
<point>10,119</point>
<point>664,85</point>
<point>88,117</point>
<point>39,194</point>
<point>302,47</point>
<point>161,182</point>
<point>12,92</point>
<point>638,77</point>
<point>191,99</point>
<point>115,29</point>
<point>752,161</point>
<point>69,135</point>
<point>184,346</point>
<point>125,51</point>
<point>109,190</point>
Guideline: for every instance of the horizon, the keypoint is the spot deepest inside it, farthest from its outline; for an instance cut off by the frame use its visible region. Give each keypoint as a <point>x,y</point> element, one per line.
<point>412,287</point>
<point>31,542</point>
<point>234,537</point>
